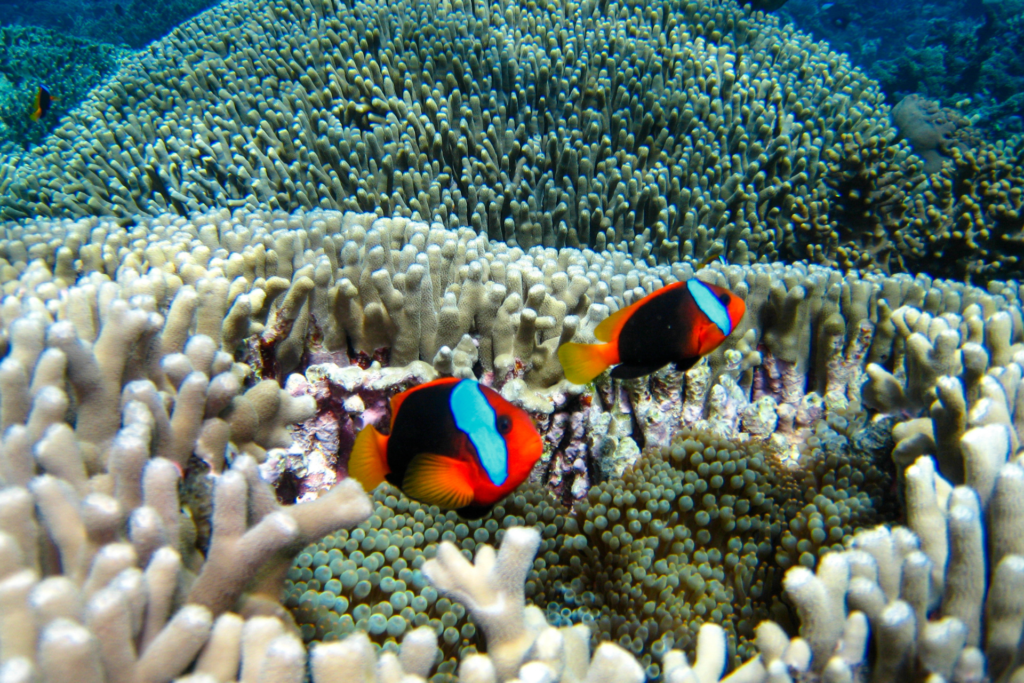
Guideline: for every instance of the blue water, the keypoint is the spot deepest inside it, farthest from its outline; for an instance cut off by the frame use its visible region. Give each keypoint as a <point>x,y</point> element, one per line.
<point>965,54</point>
<point>133,23</point>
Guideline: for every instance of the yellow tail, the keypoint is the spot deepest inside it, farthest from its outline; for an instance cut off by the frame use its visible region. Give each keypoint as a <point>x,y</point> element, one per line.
<point>581,363</point>
<point>367,463</point>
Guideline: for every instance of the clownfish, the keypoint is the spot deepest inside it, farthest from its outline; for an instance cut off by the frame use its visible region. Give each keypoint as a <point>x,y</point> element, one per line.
<point>675,324</point>
<point>42,103</point>
<point>454,443</point>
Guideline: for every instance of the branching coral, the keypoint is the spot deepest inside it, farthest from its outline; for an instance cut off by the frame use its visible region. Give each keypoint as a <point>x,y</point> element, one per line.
<point>141,397</point>
<point>939,597</point>
<point>316,292</point>
<point>102,575</point>
<point>967,221</point>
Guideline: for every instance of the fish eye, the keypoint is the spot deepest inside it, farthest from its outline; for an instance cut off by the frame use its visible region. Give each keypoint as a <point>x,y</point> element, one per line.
<point>504,424</point>
<point>724,298</point>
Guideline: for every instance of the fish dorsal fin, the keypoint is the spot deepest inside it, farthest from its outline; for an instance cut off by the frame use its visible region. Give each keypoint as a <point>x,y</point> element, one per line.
<point>608,327</point>
<point>397,399</point>
<point>437,480</point>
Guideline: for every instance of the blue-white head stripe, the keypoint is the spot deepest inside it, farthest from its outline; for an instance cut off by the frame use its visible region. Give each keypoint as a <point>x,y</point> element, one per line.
<point>476,418</point>
<point>709,305</point>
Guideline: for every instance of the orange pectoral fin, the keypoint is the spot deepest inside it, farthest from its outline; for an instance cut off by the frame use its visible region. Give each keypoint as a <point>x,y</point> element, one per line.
<point>437,480</point>
<point>581,363</point>
<point>367,463</point>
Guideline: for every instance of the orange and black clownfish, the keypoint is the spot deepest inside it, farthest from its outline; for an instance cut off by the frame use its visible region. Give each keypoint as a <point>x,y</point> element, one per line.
<point>42,104</point>
<point>675,324</point>
<point>454,443</point>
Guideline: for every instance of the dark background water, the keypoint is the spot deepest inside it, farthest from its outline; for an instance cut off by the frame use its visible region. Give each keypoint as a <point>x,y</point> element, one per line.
<point>133,23</point>
<point>965,54</point>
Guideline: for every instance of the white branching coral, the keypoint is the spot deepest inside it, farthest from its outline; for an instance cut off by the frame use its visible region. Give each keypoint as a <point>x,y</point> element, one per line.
<point>141,398</point>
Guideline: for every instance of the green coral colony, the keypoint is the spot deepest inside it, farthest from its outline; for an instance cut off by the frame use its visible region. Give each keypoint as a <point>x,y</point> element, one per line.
<point>643,561</point>
<point>228,258</point>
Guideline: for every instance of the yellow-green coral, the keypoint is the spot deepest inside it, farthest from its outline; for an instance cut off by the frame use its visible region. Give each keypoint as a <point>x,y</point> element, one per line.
<point>672,128</point>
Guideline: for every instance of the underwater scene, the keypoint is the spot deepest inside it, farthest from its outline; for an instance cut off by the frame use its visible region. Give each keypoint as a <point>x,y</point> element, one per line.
<point>481,341</point>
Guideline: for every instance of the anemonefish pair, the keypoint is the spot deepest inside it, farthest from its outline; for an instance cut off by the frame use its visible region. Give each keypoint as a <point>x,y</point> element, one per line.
<point>675,324</point>
<point>42,104</point>
<point>453,443</point>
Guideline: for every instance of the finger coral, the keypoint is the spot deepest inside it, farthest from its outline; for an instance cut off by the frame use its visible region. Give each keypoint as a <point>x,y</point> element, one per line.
<point>157,376</point>
<point>937,599</point>
<point>102,576</point>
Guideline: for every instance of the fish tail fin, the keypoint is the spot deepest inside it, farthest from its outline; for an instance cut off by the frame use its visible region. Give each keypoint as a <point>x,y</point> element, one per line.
<point>581,363</point>
<point>367,463</point>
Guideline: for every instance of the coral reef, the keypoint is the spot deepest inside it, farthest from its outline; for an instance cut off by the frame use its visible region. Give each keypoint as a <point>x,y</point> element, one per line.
<point>316,292</point>
<point>938,596</point>
<point>939,599</point>
<point>510,122</point>
<point>152,372</point>
<point>747,140</point>
<point>961,54</point>
<point>684,537</point>
<point>107,573</point>
<point>968,218</point>
<point>930,129</point>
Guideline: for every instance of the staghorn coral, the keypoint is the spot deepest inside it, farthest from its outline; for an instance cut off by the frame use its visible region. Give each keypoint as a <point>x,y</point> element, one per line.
<point>105,575</point>
<point>710,132</point>
<point>938,599</point>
